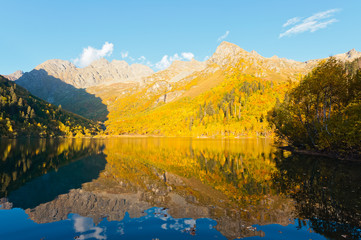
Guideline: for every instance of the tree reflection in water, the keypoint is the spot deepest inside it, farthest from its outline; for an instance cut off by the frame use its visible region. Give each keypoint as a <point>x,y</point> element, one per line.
<point>33,171</point>
<point>326,191</point>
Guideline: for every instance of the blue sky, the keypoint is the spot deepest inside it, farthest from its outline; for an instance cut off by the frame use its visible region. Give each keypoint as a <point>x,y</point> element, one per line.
<point>148,32</point>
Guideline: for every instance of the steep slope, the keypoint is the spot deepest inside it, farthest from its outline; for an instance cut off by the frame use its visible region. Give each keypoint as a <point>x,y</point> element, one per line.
<point>22,114</point>
<point>62,83</point>
<point>117,93</point>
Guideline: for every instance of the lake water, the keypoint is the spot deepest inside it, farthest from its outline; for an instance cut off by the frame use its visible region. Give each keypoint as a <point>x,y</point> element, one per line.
<point>173,188</point>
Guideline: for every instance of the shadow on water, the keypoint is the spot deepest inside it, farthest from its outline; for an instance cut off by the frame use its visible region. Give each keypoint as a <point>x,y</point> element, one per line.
<point>35,172</point>
<point>326,191</point>
<point>57,92</point>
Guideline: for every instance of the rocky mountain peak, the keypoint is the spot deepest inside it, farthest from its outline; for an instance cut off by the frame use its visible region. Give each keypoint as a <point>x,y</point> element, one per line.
<point>14,76</point>
<point>351,52</point>
<point>227,47</point>
<point>228,53</point>
<point>348,56</point>
<point>56,65</point>
<point>225,50</point>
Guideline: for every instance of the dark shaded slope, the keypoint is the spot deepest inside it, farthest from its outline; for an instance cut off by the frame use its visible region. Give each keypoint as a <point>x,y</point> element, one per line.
<point>22,114</point>
<point>57,92</point>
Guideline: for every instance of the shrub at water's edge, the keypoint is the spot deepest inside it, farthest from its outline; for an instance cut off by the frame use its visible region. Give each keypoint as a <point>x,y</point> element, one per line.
<point>22,115</point>
<point>323,112</point>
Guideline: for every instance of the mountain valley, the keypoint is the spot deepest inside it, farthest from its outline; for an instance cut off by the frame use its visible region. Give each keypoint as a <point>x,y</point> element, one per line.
<point>229,94</point>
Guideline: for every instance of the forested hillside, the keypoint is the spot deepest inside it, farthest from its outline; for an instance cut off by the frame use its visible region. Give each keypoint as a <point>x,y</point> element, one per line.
<point>22,114</point>
<point>225,103</point>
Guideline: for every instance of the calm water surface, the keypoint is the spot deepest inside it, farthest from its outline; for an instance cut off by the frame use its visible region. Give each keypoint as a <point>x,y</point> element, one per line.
<point>173,188</point>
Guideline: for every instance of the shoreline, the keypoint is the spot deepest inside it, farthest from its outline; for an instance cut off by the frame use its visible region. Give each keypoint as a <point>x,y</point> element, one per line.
<point>163,136</point>
<point>331,155</point>
<point>137,136</point>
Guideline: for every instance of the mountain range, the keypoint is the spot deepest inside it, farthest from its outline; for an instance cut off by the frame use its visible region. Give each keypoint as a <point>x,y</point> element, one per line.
<point>123,95</point>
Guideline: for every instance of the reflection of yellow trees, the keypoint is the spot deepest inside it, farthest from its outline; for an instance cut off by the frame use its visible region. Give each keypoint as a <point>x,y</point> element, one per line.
<point>22,160</point>
<point>240,169</point>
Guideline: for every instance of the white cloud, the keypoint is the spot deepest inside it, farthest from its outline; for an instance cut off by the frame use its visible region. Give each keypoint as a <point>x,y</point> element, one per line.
<point>124,54</point>
<point>143,60</point>
<point>82,224</point>
<point>224,36</point>
<point>86,226</point>
<point>91,54</point>
<point>187,55</point>
<point>313,23</point>
<point>291,21</point>
<point>166,60</point>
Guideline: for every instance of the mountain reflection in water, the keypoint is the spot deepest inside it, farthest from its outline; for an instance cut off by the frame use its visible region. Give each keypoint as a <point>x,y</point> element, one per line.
<point>177,187</point>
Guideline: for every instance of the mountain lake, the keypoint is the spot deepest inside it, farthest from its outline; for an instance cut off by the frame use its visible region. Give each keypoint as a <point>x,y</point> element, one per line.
<point>174,188</point>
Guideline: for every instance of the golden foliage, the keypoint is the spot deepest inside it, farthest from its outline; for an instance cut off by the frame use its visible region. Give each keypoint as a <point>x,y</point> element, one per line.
<point>240,169</point>
<point>220,104</point>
